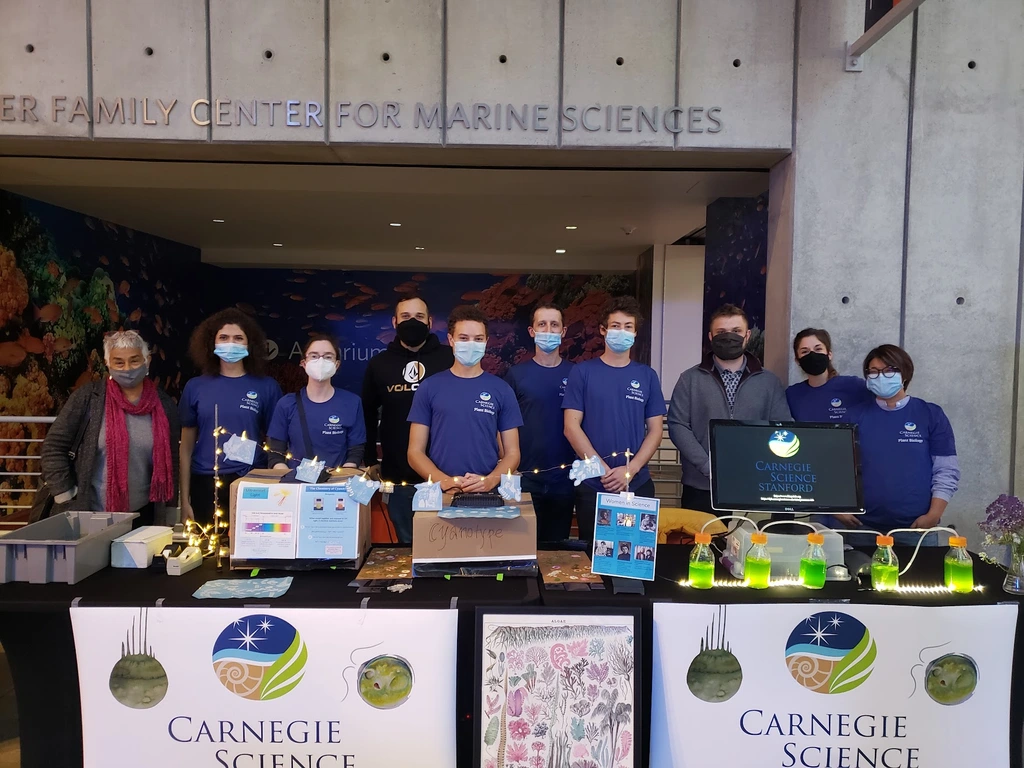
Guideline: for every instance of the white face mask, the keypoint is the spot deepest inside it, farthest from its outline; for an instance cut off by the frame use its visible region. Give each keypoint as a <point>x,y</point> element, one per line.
<point>320,369</point>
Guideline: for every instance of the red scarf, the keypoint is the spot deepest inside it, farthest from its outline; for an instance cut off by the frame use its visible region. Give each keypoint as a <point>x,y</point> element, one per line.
<point>161,487</point>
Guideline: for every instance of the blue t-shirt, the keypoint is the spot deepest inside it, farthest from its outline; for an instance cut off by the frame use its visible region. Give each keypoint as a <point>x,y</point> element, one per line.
<point>616,403</point>
<point>542,442</point>
<point>896,450</point>
<point>334,426</point>
<point>465,417</point>
<point>834,401</point>
<point>245,405</point>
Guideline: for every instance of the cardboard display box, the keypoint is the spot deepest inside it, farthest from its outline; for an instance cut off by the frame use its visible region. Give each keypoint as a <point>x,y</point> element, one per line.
<point>271,477</point>
<point>469,540</point>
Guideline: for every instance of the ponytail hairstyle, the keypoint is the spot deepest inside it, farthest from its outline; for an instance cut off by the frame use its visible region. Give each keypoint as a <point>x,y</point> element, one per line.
<point>821,335</point>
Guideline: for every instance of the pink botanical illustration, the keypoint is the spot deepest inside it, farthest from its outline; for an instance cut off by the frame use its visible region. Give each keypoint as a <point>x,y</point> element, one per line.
<point>557,696</point>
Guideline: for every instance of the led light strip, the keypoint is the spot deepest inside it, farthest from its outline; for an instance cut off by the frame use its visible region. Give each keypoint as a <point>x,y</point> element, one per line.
<point>909,589</point>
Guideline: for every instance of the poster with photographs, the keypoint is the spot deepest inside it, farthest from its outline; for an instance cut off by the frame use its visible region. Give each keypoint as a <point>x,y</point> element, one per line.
<point>557,688</point>
<point>625,536</point>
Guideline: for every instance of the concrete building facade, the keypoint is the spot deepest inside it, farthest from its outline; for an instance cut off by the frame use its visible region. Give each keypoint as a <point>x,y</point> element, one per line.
<point>896,192</point>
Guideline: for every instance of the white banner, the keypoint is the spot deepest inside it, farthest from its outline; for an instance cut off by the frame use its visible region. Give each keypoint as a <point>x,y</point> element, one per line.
<point>284,688</point>
<point>831,686</point>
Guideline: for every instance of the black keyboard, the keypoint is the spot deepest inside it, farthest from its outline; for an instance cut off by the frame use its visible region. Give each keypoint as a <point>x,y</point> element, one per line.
<point>477,500</point>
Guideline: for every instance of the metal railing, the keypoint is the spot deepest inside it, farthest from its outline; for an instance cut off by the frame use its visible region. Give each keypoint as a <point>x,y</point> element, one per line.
<point>31,488</point>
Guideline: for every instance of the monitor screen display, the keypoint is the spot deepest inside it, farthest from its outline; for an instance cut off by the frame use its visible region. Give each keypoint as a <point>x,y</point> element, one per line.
<point>785,467</point>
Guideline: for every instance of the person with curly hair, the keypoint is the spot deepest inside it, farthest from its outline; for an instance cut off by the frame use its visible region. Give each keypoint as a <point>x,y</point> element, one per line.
<point>230,349</point>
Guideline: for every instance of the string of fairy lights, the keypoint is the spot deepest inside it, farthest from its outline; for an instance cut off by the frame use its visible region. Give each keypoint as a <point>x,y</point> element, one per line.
<point>213,538</point>
<point>388,486</point>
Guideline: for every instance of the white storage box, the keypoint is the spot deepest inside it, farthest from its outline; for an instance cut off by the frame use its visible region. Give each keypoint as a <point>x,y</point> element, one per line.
<point>785,549</point>
<point>138,548</point>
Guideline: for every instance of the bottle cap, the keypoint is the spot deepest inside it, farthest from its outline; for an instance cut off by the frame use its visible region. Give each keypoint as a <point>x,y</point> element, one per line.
<point>702,538</point>
<point>958,541</point>
<point>759,538</point>
<point>815,538</point>
<point>883,541</point>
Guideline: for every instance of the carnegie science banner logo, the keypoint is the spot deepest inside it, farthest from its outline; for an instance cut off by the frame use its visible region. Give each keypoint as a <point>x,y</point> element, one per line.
<point>830,652</point>
<point>784,444</point>
<point>259,657</point>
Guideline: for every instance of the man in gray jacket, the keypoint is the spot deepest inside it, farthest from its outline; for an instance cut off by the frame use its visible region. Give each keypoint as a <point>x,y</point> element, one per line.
<point>729,383</point>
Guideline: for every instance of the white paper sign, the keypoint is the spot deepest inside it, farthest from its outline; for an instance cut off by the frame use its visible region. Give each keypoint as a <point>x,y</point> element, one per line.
<point>264,526</point>
<point>803,686</point>
<point>172,687</point>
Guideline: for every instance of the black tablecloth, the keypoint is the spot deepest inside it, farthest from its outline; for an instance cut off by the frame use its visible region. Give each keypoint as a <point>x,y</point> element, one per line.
<point>35,631</point>
<point>35,628</point>
<point>672,566</point>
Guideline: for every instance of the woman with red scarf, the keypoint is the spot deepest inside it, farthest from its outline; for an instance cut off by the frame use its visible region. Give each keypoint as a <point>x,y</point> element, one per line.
<point>127,459</point>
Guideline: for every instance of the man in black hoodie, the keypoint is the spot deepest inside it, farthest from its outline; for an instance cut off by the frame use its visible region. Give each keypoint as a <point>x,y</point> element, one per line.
<point>391,380</point>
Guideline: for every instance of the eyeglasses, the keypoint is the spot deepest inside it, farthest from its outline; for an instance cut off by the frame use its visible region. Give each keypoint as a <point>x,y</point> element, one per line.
<point>888,372</point>
<point>329,357</point>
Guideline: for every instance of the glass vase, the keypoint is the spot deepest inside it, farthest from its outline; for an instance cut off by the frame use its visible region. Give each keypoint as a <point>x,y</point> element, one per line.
<point>1014,581</point>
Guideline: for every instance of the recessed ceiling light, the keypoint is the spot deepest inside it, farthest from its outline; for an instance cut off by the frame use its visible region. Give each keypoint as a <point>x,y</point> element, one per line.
<point>420,248</point>
<point>279,245</point>
<point>218,221</point>
<point>560,250</point>
<point>571,227</point>
<point>395,224</point>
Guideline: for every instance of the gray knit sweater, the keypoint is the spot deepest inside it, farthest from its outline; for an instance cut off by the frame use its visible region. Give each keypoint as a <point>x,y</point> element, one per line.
<point>699,396</point>
<point>58,472</point>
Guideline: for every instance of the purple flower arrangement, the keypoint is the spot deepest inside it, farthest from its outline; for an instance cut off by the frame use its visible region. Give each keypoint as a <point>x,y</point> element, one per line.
<point>1004,522</point>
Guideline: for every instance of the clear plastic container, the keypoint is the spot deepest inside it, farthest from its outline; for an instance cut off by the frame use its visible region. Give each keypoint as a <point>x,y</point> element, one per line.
<point>702,562</point>
<point>757,566</point>
<point>885,567</point>
<point>958,566</point>
<point>813,563</point>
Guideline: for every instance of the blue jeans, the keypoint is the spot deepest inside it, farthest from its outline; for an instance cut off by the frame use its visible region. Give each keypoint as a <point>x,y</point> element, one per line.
<point>400,511</point>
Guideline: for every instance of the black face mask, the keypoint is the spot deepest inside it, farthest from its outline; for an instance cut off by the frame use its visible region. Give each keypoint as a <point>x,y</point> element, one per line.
<point>727,346</point>
<point>814,363</point>
<point>412,332</point>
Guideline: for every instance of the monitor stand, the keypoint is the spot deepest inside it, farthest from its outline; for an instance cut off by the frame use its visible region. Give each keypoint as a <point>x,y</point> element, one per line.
<point>793,529</point>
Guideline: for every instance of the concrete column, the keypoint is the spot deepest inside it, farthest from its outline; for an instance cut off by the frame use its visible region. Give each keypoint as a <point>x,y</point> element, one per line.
<point>964,234</point>
<point>898,217</point>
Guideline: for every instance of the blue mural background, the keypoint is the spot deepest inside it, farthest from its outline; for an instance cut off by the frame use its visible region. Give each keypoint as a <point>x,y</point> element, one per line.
<point>65,281</point>
<point>736,262</point>
<point>356,308</point>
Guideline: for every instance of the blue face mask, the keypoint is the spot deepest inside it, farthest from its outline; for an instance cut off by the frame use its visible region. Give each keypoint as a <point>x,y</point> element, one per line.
<point>231,353</point>
<point>618,340</point>
<point>469,353</point>
<point>885,388</point>
<point>548,342</point>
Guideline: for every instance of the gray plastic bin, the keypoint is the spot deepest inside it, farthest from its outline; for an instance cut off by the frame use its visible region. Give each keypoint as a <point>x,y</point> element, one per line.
<point>64,548</point>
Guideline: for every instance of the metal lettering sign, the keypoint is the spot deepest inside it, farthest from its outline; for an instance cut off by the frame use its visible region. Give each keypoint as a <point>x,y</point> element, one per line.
<point>293,113</point>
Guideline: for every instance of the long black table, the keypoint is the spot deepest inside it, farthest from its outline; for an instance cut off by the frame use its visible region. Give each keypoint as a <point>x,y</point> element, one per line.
<point>672,565</point>
<point>35,628</point>
<point>35,631</point>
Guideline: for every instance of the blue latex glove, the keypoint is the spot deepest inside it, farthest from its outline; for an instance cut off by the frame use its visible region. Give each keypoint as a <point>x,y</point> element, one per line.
<point>361,489</point>
<point>584,469</point>
<point>428,497</point>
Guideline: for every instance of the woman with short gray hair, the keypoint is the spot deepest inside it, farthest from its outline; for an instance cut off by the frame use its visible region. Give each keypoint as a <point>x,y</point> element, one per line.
<point>126,459</point>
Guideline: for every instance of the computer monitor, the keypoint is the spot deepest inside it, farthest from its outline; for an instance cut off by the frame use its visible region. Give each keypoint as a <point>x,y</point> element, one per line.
<point>803,468</point>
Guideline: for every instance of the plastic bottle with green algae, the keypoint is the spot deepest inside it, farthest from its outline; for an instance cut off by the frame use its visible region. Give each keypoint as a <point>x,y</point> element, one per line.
<point>958,566</point>
<point>702,562</point>
<point>757,566</point>
<point>885,567</point>
<point>813,563</point>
